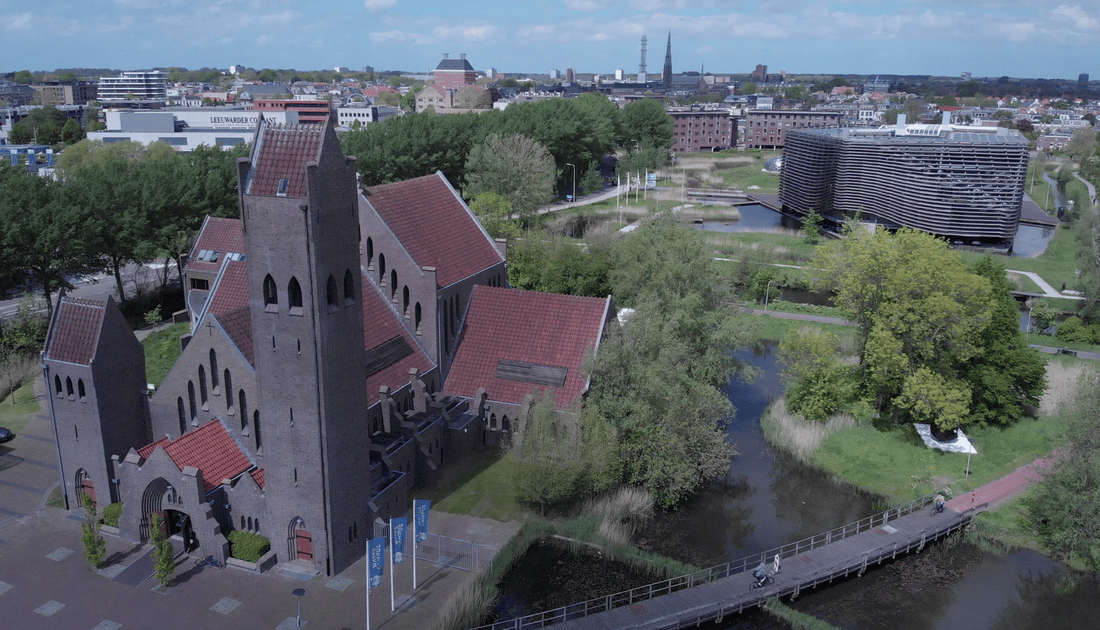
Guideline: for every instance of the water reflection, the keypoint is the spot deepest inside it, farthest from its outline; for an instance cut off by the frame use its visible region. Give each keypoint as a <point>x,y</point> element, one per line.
<point>1031,240</point>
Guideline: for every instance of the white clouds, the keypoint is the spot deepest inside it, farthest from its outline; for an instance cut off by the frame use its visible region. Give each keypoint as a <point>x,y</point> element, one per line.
<point>20,22</point>
<point>394,38</point>
<point>1080,19</point>
<point>584,5</point>
<point>374,6</point>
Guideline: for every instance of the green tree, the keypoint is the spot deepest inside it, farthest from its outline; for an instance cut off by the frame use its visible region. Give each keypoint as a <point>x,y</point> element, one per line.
<point>931,398</point>
<point>43,235</point>
<point>1082,144</point>
<point>71,132</point>
<point>591,182</point>
<point>811,227</point>
<point>472,97</point>
<point>1007,373</point>
<point>164,562</point>
<point>514,166</point>
<point>819,383</point>
<point>967,89</point>
<point>659,378</point>
<point>495,214</point>
<point>1042,317</point>
<point>646,125</point>
<point>916,303</point>
<point>94,545</point>
<point>553,264</point>
<point>747,88</point>
<point>544,450</point>
<point>1064,509</point>
<point>23,77</point>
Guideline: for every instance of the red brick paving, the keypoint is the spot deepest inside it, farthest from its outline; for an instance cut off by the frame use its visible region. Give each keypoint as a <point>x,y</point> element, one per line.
<point>1000,490</point>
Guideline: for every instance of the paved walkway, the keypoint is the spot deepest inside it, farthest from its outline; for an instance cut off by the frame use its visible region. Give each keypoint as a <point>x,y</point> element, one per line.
<point>45,581</point>
<point>1008,487</point>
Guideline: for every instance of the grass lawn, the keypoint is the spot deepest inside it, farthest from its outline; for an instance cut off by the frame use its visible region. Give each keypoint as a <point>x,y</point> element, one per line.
<point>15,416</point>
<point>161,351</point>
<point>479,486</point>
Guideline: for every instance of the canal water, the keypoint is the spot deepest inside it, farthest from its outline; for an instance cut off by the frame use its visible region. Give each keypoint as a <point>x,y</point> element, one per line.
<point>1031,240</point>
<point>769,499</point>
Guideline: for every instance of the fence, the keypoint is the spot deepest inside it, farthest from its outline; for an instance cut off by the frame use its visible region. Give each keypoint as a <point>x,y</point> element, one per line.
<point>446,551</point>
<point>671,585</point>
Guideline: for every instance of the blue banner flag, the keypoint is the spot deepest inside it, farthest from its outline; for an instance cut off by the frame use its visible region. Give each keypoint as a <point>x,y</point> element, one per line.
<point>420,513</point>
<point>397,532</point>
<point>14,157</point>
<point>376,560</point>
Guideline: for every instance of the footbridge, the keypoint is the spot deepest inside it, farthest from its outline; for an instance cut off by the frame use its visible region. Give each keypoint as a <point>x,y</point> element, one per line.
<point>711,594</point>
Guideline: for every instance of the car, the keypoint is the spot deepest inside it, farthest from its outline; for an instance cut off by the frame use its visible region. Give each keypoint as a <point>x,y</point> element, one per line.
<point>6,435</point>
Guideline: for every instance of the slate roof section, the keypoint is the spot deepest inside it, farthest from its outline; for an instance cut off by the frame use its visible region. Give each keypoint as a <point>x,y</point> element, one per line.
<point>225,236</point>
<point>210,448</point>
<point>230,306</point>
<point>282,152</point>
<point>525,327</point>
<point>75,331</point>
<point>435,227</point>
<point>461,65</point>
<point>381,326</point>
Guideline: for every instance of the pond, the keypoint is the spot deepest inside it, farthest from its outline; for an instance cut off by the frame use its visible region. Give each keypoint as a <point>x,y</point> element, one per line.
<point>768,499</point>
<point>1031,240</point>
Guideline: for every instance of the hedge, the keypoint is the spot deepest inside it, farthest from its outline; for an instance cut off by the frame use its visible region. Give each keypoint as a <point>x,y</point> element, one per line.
<point>247,546</point>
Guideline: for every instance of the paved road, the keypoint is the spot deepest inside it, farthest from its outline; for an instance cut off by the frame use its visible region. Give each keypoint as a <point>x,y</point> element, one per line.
<point>45,581</point>
<point>100,286</point>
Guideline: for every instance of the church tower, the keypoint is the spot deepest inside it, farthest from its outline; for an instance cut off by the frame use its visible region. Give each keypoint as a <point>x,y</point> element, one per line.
<point>666,74</point>
<point>299,203</point>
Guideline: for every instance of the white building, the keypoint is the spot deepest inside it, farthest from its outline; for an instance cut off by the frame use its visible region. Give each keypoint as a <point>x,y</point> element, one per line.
<point>186,129</point>
<point>140,86</point>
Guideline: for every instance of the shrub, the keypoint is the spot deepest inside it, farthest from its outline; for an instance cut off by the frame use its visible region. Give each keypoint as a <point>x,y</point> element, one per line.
<point>111,514</point>
<point>247,546</point>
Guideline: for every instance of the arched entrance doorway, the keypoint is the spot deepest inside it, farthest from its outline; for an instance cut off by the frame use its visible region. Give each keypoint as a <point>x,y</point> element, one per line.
<point>300,542</point>
<point>84,486</point>
<point>161,498</point>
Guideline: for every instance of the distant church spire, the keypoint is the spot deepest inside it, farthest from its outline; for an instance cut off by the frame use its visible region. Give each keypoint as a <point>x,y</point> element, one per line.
<point>666,74</point>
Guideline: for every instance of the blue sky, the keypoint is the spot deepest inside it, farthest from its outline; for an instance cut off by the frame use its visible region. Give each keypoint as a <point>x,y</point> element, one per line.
<point>1021,38</point>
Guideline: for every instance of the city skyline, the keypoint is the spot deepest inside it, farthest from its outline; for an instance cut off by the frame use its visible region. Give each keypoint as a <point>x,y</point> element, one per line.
<point>1019,38</point>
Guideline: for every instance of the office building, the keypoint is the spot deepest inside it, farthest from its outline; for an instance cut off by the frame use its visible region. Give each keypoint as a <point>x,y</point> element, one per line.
<point>963,183</point>
<point>134,86</point>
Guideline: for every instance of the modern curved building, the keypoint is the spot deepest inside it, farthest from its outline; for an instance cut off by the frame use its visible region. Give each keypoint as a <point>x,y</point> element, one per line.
<point>963,183</point>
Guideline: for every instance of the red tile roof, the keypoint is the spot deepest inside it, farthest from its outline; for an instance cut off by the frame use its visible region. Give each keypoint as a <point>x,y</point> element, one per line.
<point>210,448</point>
<point>75,333</point>
<point>258,476</point>
<point>282,152</point>
<point>435,227</point>
<point>224,236</point>
<point>546,329</point>
<point>380,324</point>
<point>229,304</point>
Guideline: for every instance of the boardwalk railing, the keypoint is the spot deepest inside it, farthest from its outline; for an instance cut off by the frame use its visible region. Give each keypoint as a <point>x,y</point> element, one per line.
<point>703,576</point>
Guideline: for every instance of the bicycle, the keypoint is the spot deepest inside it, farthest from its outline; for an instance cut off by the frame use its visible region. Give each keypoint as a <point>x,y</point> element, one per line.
<point>937,508</point>
<point>209,560</point>
<point>764,582</point>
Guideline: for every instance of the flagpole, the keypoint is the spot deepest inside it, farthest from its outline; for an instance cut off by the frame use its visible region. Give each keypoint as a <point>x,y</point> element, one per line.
<point>367,568</point>
<point>416,542</point>
<point>393,607</point>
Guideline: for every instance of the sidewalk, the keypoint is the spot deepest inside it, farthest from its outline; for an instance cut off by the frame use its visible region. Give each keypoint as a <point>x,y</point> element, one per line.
<point>1008,487</point>
<point>45,581</point>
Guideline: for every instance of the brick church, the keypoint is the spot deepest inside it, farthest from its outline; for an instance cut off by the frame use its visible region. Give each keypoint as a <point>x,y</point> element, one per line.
<point>344,345</point>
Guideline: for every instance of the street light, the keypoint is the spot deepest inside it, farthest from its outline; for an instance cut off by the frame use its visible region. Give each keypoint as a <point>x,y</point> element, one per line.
<point>1028,335</point>
<point>573,199</point>
<point>767,293</point>
<point>298,592</point>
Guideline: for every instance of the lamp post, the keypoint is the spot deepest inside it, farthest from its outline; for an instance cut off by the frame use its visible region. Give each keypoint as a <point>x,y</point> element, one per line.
<point>1028,332</point>
<point>767,293</point>
<point>573,199</point>
<point>298,592</point>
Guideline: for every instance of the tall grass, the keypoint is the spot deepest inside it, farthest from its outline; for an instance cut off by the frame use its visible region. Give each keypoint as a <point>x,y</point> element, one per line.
<point>793,618</point>
<point>796,435</point>
<point>16,371</point>
<point>1063,379</point>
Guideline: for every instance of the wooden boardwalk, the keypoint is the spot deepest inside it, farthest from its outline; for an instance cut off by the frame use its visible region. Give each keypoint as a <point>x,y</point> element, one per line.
<point>727,589</point>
